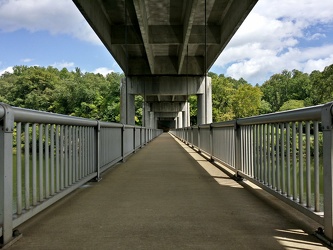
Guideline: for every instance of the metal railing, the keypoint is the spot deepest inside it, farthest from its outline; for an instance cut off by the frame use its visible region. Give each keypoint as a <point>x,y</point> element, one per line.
<point>289,154</point>
<point>45,156</point>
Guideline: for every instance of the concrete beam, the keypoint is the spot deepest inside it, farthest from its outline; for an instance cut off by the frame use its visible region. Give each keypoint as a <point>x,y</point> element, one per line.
<point>95,16</point>
<point>167,106</point>
<point>166,85</point>
<point>190,8</point>
<point>166,98</point>
<point>164,34</point>
<point>141,12</point>
<point>166,114</point>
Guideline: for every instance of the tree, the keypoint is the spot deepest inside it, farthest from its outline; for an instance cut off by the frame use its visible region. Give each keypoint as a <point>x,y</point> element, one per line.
<point>292,104</point>
<point>246,101</point>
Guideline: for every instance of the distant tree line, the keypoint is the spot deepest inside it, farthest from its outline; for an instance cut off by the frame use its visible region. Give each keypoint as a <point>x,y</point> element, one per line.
<point>284,91</point>
<point>98,97</point>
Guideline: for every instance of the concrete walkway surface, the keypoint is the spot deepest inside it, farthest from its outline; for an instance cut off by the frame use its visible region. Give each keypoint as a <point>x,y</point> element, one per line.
<point>166,196</point>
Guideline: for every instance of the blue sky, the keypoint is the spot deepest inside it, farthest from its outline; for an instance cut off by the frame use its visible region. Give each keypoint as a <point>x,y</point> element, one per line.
<point>277,35</point>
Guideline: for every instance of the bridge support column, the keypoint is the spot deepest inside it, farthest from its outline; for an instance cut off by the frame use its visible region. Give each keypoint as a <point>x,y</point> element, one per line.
<point>127,104</point>
<point>146,115</point>
<point>186,114</point>
<point>204,113</point>
<point>180,119</point>
<point>152,122</point>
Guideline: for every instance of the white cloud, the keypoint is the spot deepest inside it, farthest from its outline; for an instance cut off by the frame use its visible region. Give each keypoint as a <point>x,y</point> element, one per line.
<point>8,69</point>
<point>61,65</point>
<point>26,60</point>
<point>274,37</point>
<point>103,70</point>
<point>57,17</point>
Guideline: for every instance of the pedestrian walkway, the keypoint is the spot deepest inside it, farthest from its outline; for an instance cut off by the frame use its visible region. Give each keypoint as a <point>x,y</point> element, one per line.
<point>166,196</point>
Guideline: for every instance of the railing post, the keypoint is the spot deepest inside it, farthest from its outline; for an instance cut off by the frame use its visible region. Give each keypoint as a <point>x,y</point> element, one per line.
<point>211,145</point>
<point>141,143</point>
<point>123,143</point>
<point>134,131</point>
<point>6,173</point>
<point>199,146</point>
<point>238,148</point>
<point>326,117</point>
<point>98,149</point>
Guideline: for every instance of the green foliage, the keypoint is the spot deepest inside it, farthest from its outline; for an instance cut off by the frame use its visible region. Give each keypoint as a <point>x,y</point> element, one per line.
<point>292,86</point>
<point>234,99</point>
<point>72,93</point>
<point>292,104</point>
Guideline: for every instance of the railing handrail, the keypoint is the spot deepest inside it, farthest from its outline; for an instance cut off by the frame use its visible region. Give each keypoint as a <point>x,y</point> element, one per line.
<point>302,114</point>
<point>44,117</point>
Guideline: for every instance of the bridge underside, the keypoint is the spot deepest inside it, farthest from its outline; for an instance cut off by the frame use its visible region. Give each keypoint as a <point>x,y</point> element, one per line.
<point>158,38</point>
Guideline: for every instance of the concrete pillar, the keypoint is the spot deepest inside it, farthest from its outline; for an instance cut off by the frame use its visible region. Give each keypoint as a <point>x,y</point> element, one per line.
<point>201,109</point>
<point>180,119</point>
<point>127,105</point>
<point>209,102</point>
<point>146,115</point>
<point>186,114</point>
<point>205,113</point>
<point>152,120</point>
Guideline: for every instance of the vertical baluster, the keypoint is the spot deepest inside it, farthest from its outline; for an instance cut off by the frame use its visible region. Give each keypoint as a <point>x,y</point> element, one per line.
<point>91,156</point>
<point>263,146</point>
<point>283,174</point>
<point>294,161</point>
<point>84,151</point>
<point>273,157</point>
<point>62,159</point>
<point>66,156</point>
<point>288,159</point>
<point>41,165</point>
<point>308,166</point>
<point>261,153</point>
<point>80,153</point>
<point>256,152</point>
<point>58,152</point>
<point>47,162</point>
<point>300,150</point>
<point>277,146</point>
<point>251,150</point>
<point>70,155</point>
<point>34,166</point>
<point>26,166</point>
<point>316,167</point>
<point>269,166</point>
<point>18,168</point>
<point>74,155</point>
<point>52,160</point>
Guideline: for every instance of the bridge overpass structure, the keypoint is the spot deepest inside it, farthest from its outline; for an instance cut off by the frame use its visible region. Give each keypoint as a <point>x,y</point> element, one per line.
<point>160,198</point>
<point>165,48</point>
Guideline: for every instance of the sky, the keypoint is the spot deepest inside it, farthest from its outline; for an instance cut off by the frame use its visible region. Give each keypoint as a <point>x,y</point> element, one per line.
<point>276,35</point>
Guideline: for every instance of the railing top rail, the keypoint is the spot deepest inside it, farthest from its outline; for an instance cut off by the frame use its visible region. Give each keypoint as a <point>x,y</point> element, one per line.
<point>34,116</point>
<point>42,117</point>
<point>304,114</point>
<point>111,125</point>
<point>204,126</point>
<point>223,124</point>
